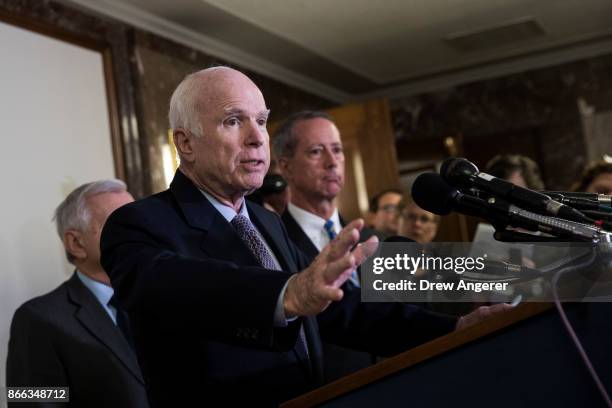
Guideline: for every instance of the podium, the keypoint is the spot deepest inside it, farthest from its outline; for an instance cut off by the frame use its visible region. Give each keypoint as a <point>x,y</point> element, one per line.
<point>522,358</point>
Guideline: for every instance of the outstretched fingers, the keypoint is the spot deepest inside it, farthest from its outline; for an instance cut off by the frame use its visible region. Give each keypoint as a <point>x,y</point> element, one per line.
<point>365,250</point>
<point>338,271</point>
<point>346,239</point>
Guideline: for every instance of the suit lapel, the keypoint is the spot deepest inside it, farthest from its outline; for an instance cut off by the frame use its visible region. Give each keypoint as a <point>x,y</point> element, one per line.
<point>298,236</point>
<point>219,239</point>
<point>269,227</point>
<point>95,319</point>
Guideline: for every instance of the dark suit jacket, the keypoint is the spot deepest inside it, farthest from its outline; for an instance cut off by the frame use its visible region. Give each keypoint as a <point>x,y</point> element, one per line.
<point>202,308</point>
<point>66,338</point>
<point>337,361</point>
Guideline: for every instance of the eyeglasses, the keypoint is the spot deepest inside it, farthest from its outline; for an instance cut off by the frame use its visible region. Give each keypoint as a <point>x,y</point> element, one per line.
<point>388,208</point>
<point>414,218</point>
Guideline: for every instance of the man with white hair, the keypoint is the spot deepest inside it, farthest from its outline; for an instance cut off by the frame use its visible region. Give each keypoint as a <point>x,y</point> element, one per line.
<point>75,336</point>
<point>222,302</point>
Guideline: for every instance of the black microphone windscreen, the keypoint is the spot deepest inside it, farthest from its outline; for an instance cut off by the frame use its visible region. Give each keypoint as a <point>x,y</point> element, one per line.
<point>432,193</point>
<point>458,171</point>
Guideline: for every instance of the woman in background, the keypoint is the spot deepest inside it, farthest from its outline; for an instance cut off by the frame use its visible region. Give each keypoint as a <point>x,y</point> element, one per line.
<point>596,178</point>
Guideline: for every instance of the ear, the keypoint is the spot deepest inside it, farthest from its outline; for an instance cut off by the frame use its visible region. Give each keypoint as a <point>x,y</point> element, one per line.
<point>284,167</point>
<point>184,140</point>
<point>74,244</point>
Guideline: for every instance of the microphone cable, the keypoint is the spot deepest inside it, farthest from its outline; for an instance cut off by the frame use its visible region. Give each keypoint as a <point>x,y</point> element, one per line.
<point>570,329</point>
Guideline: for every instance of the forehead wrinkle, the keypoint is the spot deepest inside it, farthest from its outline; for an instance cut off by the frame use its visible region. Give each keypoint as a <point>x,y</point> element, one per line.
<point>235,111</point>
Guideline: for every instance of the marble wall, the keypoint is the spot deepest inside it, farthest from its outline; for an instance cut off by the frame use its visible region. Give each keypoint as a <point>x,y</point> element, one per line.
<point>145,69</point>
<point>542,113</point>
<point>559,115</point>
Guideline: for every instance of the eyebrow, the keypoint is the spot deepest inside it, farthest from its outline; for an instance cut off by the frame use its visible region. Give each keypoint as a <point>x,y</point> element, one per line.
<point>240,112</point>
<point>335,144</point>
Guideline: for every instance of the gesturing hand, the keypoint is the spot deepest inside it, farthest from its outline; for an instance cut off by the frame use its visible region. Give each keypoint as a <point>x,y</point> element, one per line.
<point>310,291</point>
<point>480,314</point>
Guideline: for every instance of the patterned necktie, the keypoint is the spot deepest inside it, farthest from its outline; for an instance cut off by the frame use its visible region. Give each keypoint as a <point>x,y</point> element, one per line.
<point>123,321</point>
<point>251,238</point>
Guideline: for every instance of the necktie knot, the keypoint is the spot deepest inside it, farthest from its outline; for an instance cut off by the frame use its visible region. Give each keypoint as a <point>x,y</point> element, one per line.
<point>329,228</point>
<point>113,302</point>
<point>241,223</point>
<point>247,233</point>
<point>122,320</point>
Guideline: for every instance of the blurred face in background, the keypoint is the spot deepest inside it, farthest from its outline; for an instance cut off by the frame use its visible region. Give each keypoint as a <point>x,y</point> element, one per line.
<point>602,184</point>
<point>417,224</point>
<point>385,219</point>
<point>517,179</point>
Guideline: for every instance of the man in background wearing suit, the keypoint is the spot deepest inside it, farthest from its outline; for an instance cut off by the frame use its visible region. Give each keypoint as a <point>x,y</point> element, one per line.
<point>73,335</point>
<point>311,159</point>
<point>221,301</point>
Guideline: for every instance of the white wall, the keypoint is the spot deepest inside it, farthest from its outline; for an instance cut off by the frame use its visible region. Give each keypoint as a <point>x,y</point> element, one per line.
<point>55,135</point>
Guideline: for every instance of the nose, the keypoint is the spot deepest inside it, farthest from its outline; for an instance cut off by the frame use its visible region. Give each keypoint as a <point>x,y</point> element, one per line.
<point>256,134</point>
<point>331,160</point>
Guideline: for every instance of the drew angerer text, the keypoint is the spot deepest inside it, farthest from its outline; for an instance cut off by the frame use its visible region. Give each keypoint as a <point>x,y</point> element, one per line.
<point>424,284</point>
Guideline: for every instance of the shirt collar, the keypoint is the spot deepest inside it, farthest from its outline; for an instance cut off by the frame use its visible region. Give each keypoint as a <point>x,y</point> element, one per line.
<point>101,291</point>
<point>226,211</point>
<point>310,221</point>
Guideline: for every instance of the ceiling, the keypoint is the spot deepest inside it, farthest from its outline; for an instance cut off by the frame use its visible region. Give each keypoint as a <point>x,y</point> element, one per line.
<point>348,50</point>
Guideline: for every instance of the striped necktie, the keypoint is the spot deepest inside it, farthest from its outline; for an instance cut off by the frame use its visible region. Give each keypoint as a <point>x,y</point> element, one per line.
<point>329,228</point>
<point>331,233</point>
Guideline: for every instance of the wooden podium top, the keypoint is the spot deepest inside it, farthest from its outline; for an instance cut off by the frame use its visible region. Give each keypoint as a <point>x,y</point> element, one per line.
<point>416,355</point>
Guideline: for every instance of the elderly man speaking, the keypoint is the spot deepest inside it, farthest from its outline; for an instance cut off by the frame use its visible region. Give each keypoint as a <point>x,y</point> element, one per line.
<point>223,305</point>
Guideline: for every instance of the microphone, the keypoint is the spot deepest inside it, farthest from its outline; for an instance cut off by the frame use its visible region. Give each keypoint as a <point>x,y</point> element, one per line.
<point>578,203</point>
<point>433,194</point>
<point>463,173</point>
<point>586,201</point>
<point>508,270</point>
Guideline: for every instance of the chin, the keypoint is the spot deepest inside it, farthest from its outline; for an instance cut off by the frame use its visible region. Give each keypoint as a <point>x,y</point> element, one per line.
<point>331,193</point>
<point>252,183</point>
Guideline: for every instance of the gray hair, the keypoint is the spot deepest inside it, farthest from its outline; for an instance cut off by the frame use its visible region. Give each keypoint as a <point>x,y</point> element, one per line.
<point>284,141</point>
<point>74,214</point>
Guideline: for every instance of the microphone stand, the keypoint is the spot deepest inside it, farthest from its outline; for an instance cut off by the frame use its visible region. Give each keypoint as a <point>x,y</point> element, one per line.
<point>515,236</point>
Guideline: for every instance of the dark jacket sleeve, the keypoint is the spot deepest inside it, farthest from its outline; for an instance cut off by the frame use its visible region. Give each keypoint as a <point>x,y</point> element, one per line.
<point>383,328</point>
<point>32,360</point>
<point>157,278</point>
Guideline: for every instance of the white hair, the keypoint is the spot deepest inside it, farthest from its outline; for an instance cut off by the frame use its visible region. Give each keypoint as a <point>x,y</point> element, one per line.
<point>74,214</point>
<point>186,103</point>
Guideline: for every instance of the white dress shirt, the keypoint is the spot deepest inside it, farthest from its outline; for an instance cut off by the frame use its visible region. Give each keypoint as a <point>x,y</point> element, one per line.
<point>313,225</point>
<point>314,228</point>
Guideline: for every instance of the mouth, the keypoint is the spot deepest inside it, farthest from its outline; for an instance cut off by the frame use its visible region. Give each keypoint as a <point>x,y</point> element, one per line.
<point>252,163</point>
<point>331,179</point>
